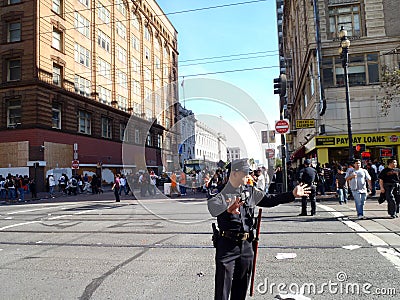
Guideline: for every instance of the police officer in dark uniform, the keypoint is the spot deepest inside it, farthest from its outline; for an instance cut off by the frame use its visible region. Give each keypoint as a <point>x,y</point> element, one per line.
<point>309,176</point>
<point>389,182</point>
<point>234,208</point>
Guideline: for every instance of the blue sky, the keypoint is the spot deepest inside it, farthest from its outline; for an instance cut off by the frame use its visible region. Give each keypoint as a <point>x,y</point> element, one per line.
<point>229,31</point>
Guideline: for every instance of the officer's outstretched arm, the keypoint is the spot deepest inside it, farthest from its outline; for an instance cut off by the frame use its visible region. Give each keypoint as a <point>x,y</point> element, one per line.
<point>217,205</point>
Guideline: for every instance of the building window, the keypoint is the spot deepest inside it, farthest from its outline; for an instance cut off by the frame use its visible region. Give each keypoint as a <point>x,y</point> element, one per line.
<point>57,74</point>
<point>157,62</point>
<point>14,1</point>
<point>122,103</point>
<point>56,116</point>
<point>106,128</point>
<point>14,113</point>
<point>84,122</point>
<point>149,114</point>
<point>122,79</point>
<point>103,41</point>
<point>121,7</point>
<point>135,43</point>
<point>82,86</point>
<point>146,53</point>
<point>136,109</point>
<point>82,25</point>
<point>121,29</point>
<point>135,22</point>
<point>147,74</point>
<point>148,140</point>
<point>135,65</point>
<point>123,133</point>
<point>82,55</point>
<point>347,16</point>
<point>137,136</point>
<point>136,87</point>
<point>56,7</point>
<point>57,40</point>
<point>104,95</point>
<point>363,69</point>
<point>159,141</point>
<point>104,14</point>
<point>84,2</point>
<point>14,32</point>
<point>14,69</point>
<point>121,52</point>
<point>147,34</point>
<point>104,68</point>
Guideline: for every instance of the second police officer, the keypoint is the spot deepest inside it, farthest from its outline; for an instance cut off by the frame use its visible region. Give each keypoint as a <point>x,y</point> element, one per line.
<point>309,176</point>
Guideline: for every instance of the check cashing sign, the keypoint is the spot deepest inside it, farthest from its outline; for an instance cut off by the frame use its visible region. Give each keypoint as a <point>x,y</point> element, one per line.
<point>377,139</point>
<point>305,123</point>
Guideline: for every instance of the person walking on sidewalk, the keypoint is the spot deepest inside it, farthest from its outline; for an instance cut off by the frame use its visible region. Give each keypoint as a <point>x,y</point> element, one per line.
<point>389,182</point>
<point>341,185</point>
<point>309,176</point>
<point>116,186</point>
<point>358,177</point>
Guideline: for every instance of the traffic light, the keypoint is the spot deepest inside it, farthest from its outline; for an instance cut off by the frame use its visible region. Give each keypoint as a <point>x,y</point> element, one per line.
<point>360,148</point>
<point>277,86</point>
<point>280,85</point>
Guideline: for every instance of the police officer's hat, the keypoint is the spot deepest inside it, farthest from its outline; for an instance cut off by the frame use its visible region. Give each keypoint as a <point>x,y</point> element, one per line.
<point>240,165</point>
<point>307,162</point>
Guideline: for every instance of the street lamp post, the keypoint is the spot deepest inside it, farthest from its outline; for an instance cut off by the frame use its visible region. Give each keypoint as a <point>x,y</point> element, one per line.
<point>344,53</point>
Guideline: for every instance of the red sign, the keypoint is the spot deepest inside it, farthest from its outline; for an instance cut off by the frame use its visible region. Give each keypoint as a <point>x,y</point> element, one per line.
<point>282,126</point>
<point>386,152</point>
<point>75,164</point>
<point>269,153</point>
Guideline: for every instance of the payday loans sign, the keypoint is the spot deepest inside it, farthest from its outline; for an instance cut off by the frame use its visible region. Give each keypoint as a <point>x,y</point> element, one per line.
<point>377,139</point>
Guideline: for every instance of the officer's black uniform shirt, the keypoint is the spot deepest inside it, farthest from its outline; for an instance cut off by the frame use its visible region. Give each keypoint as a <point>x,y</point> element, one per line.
<point>242,222</point>
<point>389,175</point>
<point>308,175</point>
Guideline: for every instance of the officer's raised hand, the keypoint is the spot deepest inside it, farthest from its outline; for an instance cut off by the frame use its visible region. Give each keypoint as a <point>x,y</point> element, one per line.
<point>234,207</point>
<point>301,190</point>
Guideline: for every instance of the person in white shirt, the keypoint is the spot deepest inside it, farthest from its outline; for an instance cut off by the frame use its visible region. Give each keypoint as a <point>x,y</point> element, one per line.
<point>52,184</point>
<point>357,178</point>
<point>260,180</point>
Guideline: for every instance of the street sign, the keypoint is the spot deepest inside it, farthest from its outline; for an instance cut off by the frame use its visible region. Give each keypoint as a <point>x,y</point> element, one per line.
<point>269,153</point>
<point>75,164</point>
<point>305,123</point>
<point>282,126</point>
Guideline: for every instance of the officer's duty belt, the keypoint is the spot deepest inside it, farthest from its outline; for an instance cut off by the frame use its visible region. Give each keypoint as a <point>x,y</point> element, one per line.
<point>237,236</point>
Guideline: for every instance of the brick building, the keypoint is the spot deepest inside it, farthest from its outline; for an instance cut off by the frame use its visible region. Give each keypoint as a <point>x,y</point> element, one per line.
<point>74,73</point>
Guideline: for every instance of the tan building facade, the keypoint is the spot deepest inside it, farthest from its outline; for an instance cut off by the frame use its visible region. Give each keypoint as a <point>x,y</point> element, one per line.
<point>315,77</point>
<point>74,72</point>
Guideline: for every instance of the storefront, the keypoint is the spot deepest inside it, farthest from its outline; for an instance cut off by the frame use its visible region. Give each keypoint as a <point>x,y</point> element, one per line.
<point>373,146</point>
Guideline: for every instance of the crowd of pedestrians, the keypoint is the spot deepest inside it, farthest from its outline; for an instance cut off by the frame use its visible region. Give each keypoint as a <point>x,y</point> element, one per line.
<point>13,188</point>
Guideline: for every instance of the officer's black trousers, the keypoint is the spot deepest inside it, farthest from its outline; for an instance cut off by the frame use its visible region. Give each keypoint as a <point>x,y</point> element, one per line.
<point>313,198</point>
<point>234,262</point>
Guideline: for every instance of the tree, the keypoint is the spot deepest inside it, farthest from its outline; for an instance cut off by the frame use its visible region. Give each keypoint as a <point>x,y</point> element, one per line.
<point>391,85</point>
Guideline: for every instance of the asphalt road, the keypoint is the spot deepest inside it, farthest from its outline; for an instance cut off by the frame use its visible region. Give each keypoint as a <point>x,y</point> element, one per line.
<point>89,247</point>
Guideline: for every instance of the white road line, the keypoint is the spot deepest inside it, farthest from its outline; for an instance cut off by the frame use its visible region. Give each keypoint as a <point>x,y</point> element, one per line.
<point>19,224</point>
<point>388,252</point>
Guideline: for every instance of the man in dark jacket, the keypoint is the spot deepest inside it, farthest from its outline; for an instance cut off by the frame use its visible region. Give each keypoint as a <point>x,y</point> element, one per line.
<point>389,181</point>
<point>234,208</point>
<point>309,176</point>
